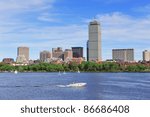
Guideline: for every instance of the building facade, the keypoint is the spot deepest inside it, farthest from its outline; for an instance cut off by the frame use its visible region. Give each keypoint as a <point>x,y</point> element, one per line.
<point>77,60</point>
<point>77,52</point>
<point>94,42</point>
<point>23,51</point>
<point>146,55</point>
<point>67,55</point>
<point>124,55</point>
<point>87,50</point>
<point>21,59</point>
<point>57,53</point>
<point>8,60</point>
<point>44,56</point>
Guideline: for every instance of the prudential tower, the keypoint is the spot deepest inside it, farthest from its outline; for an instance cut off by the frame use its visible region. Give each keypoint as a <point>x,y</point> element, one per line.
<point>94,42</point>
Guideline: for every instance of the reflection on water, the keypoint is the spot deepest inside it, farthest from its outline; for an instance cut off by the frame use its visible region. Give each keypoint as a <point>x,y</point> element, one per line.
<point>100,86</point>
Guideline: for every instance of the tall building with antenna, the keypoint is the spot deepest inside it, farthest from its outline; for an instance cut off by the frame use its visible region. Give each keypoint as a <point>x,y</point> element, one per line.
<point>94,42</point>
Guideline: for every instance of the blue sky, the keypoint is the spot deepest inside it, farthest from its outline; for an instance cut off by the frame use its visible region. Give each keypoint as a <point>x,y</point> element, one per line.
<point>44,24</point>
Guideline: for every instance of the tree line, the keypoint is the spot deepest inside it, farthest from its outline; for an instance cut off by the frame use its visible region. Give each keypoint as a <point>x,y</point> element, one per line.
<point>73,67</point>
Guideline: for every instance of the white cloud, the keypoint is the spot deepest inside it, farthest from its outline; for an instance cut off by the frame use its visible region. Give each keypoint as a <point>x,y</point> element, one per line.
<point>16,15</point>
<point>10,10</point>
<point>48,36</point>
<point>48,17</point>
<point>18,5</point>
<point>117,26</point>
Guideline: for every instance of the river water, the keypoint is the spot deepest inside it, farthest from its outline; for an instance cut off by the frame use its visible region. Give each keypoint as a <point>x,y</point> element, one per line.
<point>100,86</point>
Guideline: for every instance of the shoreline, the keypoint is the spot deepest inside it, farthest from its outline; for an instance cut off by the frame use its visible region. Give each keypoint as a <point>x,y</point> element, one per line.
<point>72,72</point>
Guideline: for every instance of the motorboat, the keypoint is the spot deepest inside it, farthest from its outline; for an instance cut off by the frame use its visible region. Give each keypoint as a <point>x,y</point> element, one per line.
<point>77,85</point>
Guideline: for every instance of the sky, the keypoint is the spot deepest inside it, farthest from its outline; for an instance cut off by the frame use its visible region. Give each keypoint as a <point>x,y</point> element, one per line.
<point>46,24</point>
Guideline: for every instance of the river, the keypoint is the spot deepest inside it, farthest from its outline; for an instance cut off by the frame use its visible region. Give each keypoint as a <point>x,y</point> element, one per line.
<point>100,86</point>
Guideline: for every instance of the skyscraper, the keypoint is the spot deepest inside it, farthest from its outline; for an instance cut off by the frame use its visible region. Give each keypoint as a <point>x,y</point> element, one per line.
<point>23,52</point>
<point>77,52</point>
<point>146,55</point>
<point>94,42</point>
<point>125,55</point>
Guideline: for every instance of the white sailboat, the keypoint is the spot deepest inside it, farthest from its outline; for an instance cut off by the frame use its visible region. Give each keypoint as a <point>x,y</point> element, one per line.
<point>64,72</point>
<point>59,73</point>
<point>15,72</point>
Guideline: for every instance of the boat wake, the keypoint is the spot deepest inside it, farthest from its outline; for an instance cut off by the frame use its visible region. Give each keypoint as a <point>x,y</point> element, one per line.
<point>61,86</point>
<point>19,86</point>
<point>76,85</point>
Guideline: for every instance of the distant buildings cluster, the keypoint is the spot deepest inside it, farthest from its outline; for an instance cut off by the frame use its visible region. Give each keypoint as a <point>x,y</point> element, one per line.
<point>75,54</point>
<point>58,55</point>
<point>94,48</point>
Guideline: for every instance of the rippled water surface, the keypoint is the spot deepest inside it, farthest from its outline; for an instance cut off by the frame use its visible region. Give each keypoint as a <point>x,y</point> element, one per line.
<point>100,86</point>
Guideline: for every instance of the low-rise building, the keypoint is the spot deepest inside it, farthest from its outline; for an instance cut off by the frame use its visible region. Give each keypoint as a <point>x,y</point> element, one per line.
<point>8,60</point>
<point>77,60</point>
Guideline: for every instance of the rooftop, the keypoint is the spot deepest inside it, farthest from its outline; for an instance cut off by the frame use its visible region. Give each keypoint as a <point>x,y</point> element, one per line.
<point>94,22</point>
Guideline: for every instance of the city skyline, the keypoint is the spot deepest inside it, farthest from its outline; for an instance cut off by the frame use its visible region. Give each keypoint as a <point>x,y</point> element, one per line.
<point>43,25</point>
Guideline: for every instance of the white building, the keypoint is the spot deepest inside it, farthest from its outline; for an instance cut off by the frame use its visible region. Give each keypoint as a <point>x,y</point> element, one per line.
<point>21,59</point>
<point>146,55</point>
<point>125,55</point>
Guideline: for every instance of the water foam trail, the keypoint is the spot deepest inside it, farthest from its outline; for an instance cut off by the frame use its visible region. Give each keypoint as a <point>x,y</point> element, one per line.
<point>18,86</point>
<point>62,86</point>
